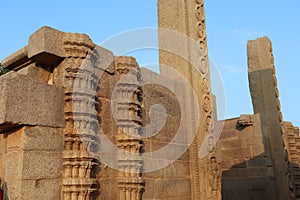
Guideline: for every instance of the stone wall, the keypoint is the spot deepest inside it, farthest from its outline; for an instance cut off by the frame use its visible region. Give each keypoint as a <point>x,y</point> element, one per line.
<point>183,54</point>
<point>259,153</point>
<point>172,181</point>
<point>31,139</point>
<point>246,163</point>
<point>66,99</point>
<point>54,93</point>
<point>292,143</point>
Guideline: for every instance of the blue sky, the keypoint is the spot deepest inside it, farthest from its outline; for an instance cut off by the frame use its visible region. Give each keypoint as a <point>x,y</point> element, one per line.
<point>229,25</point>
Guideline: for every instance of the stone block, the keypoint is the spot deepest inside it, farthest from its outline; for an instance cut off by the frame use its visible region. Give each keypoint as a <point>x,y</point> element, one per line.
<point>13,165</point>
<point>26,102</point>
<point>171,130</point>
<point>171,189</point>
<point>260,172</point>
<point>158,94</point>
<point>46,189</point>
<point>262,183</point>
<point>42,139</point>
<point>260,162</point>
<point>3,145</point>
<point>149,187</point>
<point>235,184</point>
<point>35,73</point>
<point>105,59</point>
<point>233,164</point>
<point>229,134</point>
<point>233,143</point>
<point>41,165</point>
<point>260,54</point>
<point>255,141</point>
<point>13,188</point>
<point>168,151</point>
<point>231,124</point>
<point>16,59</point>
<point>237,153</point>
<point>236,172</point>
<point>177,169</point>
<point>2,165</point>
<point>46,46</point>
<point>259,150</point>
<point>108,189</point>
<point>14,140</point>
<point>154,174</point>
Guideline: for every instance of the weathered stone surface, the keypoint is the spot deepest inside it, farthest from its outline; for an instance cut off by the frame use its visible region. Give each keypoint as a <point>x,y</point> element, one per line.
<point>13,189</point>
<point>243,158</point>
<point>25,102</point>
<point>13,168</point>
<point>32,172</point>
<point>3,145</point>
<point>41,165</point>
<point>46,46</point>
<point>35,73</point>
<point>291,138</point>
<point>107,186</point>
<point>42,139</point>
<point>16,59</point>
<point>256,188</point>
<point>47,189</point>
<point>168,189</point>
<point>30,71</point>
<point>260,55</point>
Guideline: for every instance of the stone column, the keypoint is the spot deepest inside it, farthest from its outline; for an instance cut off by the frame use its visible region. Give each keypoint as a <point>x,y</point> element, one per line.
<point>183,48</point>
<point>265,99</point>
<point>79,81</point>
<point>128,108</point>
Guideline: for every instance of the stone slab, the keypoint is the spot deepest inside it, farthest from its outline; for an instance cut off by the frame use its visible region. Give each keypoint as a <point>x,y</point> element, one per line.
<point>26,102</point>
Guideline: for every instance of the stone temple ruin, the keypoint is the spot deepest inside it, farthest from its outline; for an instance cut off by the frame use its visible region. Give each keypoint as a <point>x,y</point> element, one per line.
<point>78,123</point>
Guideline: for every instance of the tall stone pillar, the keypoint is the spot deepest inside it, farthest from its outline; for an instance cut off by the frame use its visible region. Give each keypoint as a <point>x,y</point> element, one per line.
<point>265,99</point>
<point>183,51</point>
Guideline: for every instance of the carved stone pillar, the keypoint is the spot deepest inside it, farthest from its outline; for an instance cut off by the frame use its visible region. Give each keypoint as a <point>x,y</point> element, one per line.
<point>183,48</point>
<point>80,86</point>
<point>128,105</point>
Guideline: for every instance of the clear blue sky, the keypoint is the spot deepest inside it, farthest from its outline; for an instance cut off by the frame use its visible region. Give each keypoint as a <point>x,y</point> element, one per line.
<point>229,25</point>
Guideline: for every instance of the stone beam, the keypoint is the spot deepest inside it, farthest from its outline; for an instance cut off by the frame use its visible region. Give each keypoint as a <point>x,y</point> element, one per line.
<point>265,99</point>
<point>45,47</point>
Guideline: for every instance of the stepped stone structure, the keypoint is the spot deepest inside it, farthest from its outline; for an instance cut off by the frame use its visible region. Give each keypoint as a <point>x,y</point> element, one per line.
<point>78,122</point>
